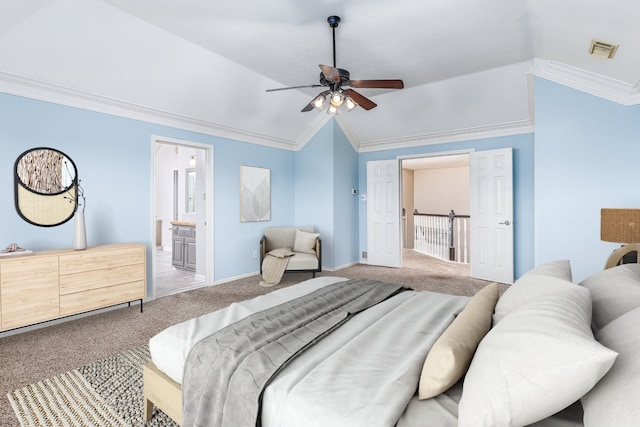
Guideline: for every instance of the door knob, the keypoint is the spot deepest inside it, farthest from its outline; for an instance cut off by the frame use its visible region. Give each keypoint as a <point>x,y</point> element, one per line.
<point>507,222</point>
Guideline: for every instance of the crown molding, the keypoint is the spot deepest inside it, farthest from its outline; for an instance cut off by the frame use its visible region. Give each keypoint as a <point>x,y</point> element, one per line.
<point>318,123</point>
<point>585,81</point>
<point>480,132</point>
<point>43,91</point>
<point>597,85</point>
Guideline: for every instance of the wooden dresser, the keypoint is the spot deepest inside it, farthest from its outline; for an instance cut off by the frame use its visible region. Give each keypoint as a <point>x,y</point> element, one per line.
<point>51,284</point>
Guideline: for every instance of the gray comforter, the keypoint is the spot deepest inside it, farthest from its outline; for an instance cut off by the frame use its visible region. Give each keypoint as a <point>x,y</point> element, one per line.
<point>227,372</point>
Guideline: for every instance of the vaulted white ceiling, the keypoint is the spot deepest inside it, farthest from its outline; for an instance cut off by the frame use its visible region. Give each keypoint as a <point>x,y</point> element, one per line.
<point>206,65</point>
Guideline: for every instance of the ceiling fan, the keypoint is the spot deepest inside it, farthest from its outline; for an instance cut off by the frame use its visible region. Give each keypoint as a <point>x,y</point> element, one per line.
<point>336,79</point>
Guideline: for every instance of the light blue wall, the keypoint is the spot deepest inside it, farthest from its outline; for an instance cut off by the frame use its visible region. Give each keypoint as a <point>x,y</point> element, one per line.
<point>523,181</point>
<point>313,183</point>
<point>326,169</point>
<point>113,156</point>
<point>113,160</point>
<point>236,241</point>
<point>587,152</point>
<point>345,214</point>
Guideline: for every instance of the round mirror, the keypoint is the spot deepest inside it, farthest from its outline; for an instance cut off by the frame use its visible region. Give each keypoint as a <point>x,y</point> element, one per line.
<point>46,187</point>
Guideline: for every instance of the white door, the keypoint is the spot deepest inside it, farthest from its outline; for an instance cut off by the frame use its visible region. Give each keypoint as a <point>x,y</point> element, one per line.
<point>491,209</point>
<point>383,213</point>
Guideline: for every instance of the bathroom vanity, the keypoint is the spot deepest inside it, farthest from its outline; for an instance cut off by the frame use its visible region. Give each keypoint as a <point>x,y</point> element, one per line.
<point>183,245</point>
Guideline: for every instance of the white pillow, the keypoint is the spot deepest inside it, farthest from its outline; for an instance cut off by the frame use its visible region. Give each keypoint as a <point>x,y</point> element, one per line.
<point>560,268</point>
<point>614,401</point>
<point>544,280</point>
<point>538,360</point>
<point>451,354</point>
<point>305,242</point>
<point>614,291</point>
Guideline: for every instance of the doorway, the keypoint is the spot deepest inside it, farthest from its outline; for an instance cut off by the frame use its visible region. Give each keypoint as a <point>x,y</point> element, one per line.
<point>435,211</point>
<point>491,207</point>
<point>182,216</point>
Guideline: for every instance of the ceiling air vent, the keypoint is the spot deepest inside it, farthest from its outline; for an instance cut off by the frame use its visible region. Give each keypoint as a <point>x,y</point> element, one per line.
<point>602,49</point>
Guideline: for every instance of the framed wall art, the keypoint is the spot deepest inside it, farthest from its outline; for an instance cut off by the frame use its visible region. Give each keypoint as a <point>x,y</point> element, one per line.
<point>255,194</point>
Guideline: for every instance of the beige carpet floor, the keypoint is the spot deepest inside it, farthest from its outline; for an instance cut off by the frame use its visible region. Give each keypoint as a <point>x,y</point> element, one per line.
<point>31,356</point>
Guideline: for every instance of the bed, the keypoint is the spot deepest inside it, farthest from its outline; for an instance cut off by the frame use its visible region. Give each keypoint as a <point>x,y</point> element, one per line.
<point>548,352</point>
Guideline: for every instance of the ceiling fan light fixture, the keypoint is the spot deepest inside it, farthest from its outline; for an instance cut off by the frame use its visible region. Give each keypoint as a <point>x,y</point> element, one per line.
<point>336,99</point>
<point>318,102</point>
<point>332,110</point>
<point>333,79</point>
<point>350,103</point>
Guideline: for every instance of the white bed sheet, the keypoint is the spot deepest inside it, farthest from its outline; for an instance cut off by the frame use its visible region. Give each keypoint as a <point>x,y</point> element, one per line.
<point>364,373</point>
<point>444,409</point>
<point>169,349</point>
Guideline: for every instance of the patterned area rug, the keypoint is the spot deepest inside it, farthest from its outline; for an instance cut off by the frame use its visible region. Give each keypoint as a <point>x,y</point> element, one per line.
<point>107,393</point>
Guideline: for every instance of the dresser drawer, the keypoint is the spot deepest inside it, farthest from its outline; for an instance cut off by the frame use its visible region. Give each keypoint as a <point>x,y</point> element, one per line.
<point>91,260</point>
<point>101,297</point>
<point>87,280</point>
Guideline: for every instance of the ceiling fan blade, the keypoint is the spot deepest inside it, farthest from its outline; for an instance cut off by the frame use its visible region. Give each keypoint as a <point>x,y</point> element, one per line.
<point>362,100</point>
<point>292,87</point>
<point>310,105</point>
<point>377,84</point>
<point>330,73</point>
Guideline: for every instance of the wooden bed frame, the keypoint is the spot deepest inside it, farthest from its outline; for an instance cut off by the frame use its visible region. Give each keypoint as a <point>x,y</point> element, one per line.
<point>161,391</point>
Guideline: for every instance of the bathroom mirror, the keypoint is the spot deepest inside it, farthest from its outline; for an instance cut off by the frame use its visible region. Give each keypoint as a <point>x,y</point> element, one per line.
<point>46,187</point>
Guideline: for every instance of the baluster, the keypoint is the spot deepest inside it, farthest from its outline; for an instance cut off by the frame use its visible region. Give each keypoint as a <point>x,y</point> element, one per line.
<point>429,237</point>
<point>442,238</point>
<point>466,241</point>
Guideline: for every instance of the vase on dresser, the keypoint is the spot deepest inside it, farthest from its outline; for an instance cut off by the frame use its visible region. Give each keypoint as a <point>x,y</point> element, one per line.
<point>79,232</point>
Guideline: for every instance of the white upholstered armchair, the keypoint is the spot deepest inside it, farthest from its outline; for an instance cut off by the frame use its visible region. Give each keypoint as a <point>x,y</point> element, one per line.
<point>305,244</point>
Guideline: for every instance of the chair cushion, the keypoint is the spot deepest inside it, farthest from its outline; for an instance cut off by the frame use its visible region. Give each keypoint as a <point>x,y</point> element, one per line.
<point>305,242</point>
<point>303,262</point>
<point>282,237</point>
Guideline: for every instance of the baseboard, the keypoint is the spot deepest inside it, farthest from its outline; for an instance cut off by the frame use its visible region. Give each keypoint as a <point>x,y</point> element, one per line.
<point>231,279</point>
<point>351,264</point>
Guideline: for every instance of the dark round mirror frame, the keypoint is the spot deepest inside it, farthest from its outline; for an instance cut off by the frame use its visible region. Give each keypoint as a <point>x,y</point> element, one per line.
<point>71,199</point>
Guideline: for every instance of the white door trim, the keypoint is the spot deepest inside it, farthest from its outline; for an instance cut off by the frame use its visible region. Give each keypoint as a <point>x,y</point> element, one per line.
<point>209,216</point>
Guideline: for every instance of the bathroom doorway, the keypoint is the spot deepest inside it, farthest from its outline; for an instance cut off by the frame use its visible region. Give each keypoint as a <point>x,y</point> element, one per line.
<point>182,257</point>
